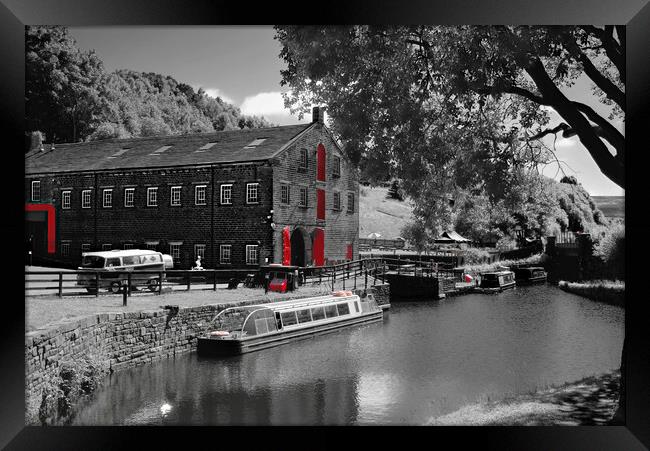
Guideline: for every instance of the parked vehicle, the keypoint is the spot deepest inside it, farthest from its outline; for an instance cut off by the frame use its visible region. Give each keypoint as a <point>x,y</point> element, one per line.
<point>496,281</point>
<point>243,329</point>
<point>114,267</point>
<point>531,274</point>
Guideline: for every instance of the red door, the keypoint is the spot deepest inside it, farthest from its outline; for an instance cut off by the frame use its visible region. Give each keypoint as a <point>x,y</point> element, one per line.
<point>318,248</point>
<point>320,204</point>
<point>320,159</point>
<point>349,253</point>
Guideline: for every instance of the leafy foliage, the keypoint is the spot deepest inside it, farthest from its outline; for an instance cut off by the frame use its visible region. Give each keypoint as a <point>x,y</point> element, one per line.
<point>70,97</point>
<point>395,191</point>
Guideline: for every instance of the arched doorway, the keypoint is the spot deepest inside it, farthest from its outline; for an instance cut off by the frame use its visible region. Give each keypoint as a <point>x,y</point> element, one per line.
<point>298,248</point>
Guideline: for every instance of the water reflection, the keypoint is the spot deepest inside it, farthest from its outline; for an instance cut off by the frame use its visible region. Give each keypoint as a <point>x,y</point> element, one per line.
<point>426,359</point>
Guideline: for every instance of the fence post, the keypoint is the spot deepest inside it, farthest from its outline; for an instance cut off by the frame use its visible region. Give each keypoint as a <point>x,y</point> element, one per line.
<point>60,284</point>
<point>333,279</point>
<point>214,279</point>
<point>189,279</point>
<point>128,280</point>
<point>343,278</point>
<point>97,284</point>
<point>160,280</point>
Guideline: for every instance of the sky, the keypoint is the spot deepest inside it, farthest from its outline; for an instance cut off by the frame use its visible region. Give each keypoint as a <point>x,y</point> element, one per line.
<point>241,64</point>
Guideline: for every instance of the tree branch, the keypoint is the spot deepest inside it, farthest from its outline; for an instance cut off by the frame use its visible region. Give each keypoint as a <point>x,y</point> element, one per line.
<point>615,51</point>
<point>608,131</point>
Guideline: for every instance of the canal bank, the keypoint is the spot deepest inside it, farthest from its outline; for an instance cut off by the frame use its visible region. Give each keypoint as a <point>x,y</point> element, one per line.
<point>67,362</point>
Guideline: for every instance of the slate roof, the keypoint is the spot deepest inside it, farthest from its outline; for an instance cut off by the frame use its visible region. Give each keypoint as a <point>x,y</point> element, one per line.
<point>453,236</point>
<point>185,150</point>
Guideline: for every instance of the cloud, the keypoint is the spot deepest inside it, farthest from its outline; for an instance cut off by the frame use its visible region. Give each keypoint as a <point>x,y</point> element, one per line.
<point>271,106</point>
<point>215,92</point>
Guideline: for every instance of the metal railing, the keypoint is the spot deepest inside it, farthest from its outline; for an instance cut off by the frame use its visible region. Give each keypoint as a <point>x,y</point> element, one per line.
<point>355,274</point>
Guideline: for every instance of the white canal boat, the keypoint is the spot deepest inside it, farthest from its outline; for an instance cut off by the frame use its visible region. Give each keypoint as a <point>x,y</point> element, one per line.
<point>238,330</point>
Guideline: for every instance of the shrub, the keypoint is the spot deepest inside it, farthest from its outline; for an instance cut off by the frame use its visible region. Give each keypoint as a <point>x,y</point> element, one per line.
<point>475,255</point>
<point>611,249</point>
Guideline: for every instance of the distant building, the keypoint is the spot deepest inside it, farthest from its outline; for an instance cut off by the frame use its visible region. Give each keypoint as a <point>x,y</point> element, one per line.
<point>225,196</point>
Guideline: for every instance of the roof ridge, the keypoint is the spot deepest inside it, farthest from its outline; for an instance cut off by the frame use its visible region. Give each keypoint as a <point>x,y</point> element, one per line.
<point>180,135</point>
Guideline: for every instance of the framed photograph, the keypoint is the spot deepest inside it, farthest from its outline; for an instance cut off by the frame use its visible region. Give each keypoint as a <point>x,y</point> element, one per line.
<point>437,196</point>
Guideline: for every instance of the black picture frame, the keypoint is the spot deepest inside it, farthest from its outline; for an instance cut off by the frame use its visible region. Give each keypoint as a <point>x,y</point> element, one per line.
<point>15,14</point>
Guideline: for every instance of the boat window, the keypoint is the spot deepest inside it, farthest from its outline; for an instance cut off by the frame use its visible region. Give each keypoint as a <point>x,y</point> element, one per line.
<point>318,313</point>
<point>343,309</point>
<point>260,322</point>
<point>261,326</point>
<point>112,262</point>
<point>278,321</point>
<point>356,306</point>
<point>289,318</point>
<point>304,316</point>
<point>330,311</point>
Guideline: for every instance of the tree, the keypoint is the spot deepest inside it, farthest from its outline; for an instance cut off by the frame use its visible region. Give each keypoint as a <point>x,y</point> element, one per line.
<point>395,191</point>
<point>381,81</point>
<point>61,84</point>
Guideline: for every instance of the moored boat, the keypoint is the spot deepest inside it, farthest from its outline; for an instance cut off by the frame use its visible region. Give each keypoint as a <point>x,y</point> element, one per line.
<point>496,281</point>
<point>531,274</point>
<point>238,330</point>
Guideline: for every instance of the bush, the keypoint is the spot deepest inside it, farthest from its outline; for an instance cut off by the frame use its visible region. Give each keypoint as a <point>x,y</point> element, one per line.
<point>611,249</point>
<point>475,256</point>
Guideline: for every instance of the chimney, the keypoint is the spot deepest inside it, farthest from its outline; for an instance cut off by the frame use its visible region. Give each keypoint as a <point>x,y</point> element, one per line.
<point>36,139</point>
<point>318,114</point>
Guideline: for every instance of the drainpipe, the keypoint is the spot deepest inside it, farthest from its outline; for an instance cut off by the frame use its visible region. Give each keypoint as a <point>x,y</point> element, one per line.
<point>95,207</point>
<point>214,257</point>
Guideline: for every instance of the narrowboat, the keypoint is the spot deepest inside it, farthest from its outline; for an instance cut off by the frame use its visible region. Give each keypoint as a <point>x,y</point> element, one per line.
<point>238,330</point>
<point>494,282</point>
<point>528,275</point>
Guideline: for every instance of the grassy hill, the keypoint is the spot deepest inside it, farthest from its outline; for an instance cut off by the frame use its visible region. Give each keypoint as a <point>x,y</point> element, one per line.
<point>611,206</point>
<point>381,215</point>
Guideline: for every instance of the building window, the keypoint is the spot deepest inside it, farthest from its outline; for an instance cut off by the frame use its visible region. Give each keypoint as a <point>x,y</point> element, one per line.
<point>320,204</point>
<point>152,197</point>
<point>65,248</point>
<point>336,171</point>
<point>284,194</point>
<point>320,163</point>
<point>175,251</point>
<point>151,246</point>
<point>85,198</point>
<point>350,202</point>
<point>128,246</point>
<point>65,199</point>
<point>304,196</point>
<point>175,196</point>
<point>226,194</point>
<point>106,247</point>
<point>199,195</point>
<point>36,190</point>
<point>252,190</point>
<point>129,197</point>
<point>304,158</point>
<point>199,251</point>
<point>224,254</point>
<point>107,196</point>
<point>251,254</point>
<point>85,247</point>
<point>336,201</point>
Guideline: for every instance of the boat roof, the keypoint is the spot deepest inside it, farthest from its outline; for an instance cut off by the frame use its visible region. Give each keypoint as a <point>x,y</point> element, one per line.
<point>498,273</point>
<point>283,305</point>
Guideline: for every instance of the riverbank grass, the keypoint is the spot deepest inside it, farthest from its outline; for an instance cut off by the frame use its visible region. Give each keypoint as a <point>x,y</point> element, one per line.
<point>607,291</point>
<point>589,401</point>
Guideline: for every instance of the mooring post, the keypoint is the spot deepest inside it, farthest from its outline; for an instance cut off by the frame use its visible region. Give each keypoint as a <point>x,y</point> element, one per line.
<point>189,279</point>
<point>60,284</point>
<point>160,279</point>
<point>214,280</point>
<point>128,287</point>
<point>125,289</point>
<point>97,284</point>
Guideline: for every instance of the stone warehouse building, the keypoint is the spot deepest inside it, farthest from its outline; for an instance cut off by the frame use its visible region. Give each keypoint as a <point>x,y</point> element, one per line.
<point>226,196</point>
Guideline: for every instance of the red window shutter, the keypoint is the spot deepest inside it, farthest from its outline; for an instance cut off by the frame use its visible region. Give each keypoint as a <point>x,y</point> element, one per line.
<point>320,204</point>
<point>320,157</point>
<point>318,247</point>
<point>349,254</point>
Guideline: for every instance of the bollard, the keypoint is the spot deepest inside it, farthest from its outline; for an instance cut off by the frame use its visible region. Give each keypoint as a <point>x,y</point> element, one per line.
<point>160,280</point>
<point>60,284</point>
<point>189,280</point>
<point>128,280</point>
<point>214,280</point>
<point>125,289</point>
<point>96,284</point>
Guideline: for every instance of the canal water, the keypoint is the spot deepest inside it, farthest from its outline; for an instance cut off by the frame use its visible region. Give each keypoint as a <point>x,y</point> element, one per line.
<point>425,360</point>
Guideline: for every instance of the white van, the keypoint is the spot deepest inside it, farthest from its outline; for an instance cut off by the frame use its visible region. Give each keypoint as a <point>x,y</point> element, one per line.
<point>108,263</point>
